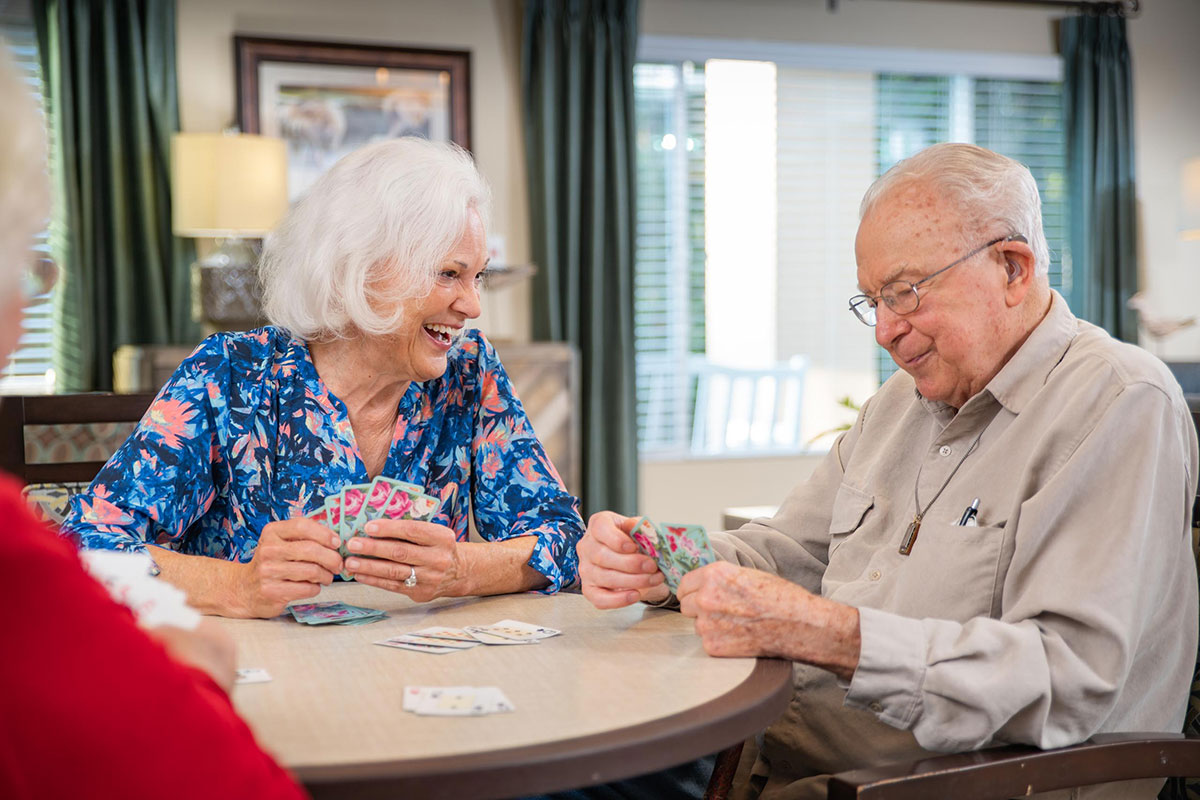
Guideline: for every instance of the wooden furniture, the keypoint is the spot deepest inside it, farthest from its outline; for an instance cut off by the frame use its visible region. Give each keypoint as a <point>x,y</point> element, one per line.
<point>65,438</point>
<point>619,693</point>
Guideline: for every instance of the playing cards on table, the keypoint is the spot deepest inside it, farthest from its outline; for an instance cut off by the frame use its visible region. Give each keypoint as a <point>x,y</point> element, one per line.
<point>455,701</point>
<point>347,512</point>
<point>442,640</point>
<point>678,549</point>
<point>334,613</point>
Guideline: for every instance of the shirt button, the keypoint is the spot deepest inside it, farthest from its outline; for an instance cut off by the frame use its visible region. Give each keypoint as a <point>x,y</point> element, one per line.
<point>877,707</point>
<point>945,450</point>
<point>875,574</point>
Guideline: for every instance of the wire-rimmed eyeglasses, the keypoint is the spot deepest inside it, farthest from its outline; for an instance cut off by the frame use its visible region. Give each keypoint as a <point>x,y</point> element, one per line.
<point>902,297</point>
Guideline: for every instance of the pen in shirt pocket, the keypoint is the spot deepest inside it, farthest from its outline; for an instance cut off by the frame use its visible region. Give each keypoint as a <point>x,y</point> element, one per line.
<point>968,517</point>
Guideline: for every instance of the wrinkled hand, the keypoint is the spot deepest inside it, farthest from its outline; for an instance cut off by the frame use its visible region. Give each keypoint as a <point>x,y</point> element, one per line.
<point>397,547</point>
<point>294,559</point>
<point>208,647</point>
<point>742,612</point>
<point>613,572</point>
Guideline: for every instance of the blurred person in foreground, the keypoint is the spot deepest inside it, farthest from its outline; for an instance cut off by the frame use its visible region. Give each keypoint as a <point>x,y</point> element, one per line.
<point>998,551</point>
<point>95,706</point>
<point>369,369</point>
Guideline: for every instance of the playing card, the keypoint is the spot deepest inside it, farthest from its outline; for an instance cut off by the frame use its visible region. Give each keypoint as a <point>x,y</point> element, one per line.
<point>330,612</point>
<point>689,549</point>
<point>333,509</point>
<point>482,634</point>
<point>410,502</point>
<point>645,535</point>
<point>416,638</point>
<point>364,620</point>
<point>251,675</point>
<point>517,630</point>
<point>455,700</point>
<point>320,516</point>
<point>377,497</point>
<point>398,642</point>
<point>354,498</point>
<point>452,634</point>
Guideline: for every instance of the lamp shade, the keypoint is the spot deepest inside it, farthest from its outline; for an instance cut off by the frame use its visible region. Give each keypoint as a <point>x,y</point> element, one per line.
<point>227,185</point>
<point>1189,227</point>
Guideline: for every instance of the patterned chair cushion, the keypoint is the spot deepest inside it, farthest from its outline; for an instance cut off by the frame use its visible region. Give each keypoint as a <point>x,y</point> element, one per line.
<point>50,501</point>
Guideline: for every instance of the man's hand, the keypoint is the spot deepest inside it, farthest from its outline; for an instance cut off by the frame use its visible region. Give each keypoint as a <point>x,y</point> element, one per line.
<point>207,648</point>
<point>398,548</point>
<point>294,559</point>
<point>614,573</point>
<point>743,612</point>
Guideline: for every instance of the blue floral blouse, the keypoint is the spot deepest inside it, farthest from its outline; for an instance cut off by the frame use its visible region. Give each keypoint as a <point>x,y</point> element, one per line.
<point>245,432</point>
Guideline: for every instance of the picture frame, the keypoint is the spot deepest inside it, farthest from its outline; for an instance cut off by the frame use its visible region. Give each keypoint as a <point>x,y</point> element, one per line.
<point>328,98</point>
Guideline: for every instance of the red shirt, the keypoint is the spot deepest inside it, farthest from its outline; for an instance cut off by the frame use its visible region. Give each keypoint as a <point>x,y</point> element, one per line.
<point>92,707</point>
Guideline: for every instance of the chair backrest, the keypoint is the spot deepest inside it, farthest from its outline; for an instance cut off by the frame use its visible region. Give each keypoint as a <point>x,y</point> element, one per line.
<point>743,410</point>
<point>66,437</point>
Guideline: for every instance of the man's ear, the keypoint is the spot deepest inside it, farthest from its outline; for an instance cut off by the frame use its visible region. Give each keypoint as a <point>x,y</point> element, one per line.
<point>1019,267</point>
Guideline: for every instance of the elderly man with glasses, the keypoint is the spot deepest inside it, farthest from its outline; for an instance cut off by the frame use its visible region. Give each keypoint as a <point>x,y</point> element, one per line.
<point>998,551</point>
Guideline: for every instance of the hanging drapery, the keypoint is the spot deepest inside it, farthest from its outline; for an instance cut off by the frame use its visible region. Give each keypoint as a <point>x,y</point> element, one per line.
<point>577,60</point>
<point>1097,92</point>
<point>109,74</point>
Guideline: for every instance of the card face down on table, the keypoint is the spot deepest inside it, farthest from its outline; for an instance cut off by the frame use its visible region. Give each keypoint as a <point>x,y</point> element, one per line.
<point>678,549</point>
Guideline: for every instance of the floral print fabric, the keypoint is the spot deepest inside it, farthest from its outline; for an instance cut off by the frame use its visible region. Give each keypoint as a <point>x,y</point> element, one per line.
<point>245,433</point>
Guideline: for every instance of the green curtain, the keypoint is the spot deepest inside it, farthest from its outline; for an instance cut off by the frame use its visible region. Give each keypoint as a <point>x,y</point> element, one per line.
<point>577,60</point>
<point>1098,96</point>
<point>109,74</point>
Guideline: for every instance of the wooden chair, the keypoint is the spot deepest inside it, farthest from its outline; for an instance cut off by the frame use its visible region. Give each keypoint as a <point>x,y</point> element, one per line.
<point>65,438</point>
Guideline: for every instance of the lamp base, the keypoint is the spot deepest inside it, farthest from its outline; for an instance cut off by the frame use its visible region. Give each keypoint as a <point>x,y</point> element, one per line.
<point>225,291</point>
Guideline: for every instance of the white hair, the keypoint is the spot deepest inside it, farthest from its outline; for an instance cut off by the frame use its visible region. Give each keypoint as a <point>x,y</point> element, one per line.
<point>369,234</point>
<point>24,184</point>
<point>987,187</point>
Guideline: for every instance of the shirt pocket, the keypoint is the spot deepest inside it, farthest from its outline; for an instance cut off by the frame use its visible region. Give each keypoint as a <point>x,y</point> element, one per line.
<point>950,573</point>
<point>850,508</point>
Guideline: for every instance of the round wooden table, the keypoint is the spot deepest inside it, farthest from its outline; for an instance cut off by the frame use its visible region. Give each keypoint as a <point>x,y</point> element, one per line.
<point>619,693</point>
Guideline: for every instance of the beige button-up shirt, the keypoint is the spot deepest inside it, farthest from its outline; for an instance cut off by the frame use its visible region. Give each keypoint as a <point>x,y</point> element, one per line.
<point>1071,608</point>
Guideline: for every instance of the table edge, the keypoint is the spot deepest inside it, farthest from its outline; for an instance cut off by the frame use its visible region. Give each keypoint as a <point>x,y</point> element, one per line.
<point>758,700</point>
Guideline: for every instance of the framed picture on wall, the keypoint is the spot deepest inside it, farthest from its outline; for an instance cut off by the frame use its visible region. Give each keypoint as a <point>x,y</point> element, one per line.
<point>327,98</point>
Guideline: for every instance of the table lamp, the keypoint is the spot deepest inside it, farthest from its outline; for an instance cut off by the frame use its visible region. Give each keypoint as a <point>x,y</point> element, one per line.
<point>229,187</point>
<point>1189,227</point>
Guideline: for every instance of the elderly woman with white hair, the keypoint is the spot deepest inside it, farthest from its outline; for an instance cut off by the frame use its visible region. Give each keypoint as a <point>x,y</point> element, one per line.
<point>368,369</point>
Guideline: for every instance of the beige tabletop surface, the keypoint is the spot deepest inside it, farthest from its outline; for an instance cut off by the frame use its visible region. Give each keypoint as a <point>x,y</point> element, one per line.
<point>334,700</point>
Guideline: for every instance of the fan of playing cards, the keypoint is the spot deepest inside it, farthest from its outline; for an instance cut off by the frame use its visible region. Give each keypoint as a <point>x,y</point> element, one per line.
<point>383,498</point>
<point>678,549</point>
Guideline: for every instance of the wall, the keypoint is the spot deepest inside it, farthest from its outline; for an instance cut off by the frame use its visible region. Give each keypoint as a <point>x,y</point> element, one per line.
<point>1166,61</point>
<point>490,29</point>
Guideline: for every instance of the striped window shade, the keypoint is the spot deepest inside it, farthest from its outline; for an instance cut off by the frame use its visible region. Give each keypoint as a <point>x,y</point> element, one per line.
<point>30,366</point>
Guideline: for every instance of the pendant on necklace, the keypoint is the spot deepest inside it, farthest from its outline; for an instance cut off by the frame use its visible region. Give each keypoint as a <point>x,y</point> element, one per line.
<point>910,536</point>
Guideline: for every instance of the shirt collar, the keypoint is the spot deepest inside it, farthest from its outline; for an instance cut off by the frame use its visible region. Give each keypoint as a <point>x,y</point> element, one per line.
<point>1027,371</point>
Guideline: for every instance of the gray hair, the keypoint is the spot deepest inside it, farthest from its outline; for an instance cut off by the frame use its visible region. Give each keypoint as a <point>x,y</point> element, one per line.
<point>988,187</point>
<point>369,235</point>
<point>24,184</point>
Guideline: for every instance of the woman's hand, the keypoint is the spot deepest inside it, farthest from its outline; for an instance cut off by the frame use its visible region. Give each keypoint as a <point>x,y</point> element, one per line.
<point>294,559</point>
<point>613,571</point>
<point>401,549</point>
